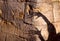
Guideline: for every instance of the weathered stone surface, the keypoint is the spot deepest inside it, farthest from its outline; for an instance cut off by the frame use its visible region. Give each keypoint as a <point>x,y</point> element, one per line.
<point>56,11</point>
<point>12,27</point>
<point>8,28</point>
<point>45,9</point>
<point>2,36</point>
<point>11,37</point>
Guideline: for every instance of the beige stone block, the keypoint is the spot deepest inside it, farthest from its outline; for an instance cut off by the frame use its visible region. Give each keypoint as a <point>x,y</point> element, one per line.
<point>46,10</point>
<point>57,27</point>
<point>56,11</point>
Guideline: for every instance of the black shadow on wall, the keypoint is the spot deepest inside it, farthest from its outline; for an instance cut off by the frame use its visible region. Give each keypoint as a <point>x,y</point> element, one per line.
<point>51,29</point>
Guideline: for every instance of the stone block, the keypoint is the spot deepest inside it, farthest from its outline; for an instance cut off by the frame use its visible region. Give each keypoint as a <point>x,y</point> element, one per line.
<point>56,11</point>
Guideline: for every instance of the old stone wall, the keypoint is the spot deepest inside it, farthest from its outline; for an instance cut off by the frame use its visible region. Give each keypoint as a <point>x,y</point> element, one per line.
<point>12,27</point>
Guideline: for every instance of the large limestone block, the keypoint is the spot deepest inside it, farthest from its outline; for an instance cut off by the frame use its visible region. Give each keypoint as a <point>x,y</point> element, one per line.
<point>56,11</point>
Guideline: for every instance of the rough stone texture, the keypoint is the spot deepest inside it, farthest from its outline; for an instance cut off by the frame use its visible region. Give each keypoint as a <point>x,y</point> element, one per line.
<point>45,9</point>
<point>56,11</point>
<point>12,27</point>
<point>2,36</point>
